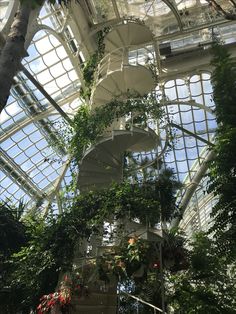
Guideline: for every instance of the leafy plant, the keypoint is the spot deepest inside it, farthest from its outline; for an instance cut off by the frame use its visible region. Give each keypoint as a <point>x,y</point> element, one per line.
<point>49,250</point>
<point>12,231</point>
<point>89,124</point>
<point>137,264</point>
<point>69,287</point>
<point>223,167</point>
<point>207,286</point>
<point>91,65</point>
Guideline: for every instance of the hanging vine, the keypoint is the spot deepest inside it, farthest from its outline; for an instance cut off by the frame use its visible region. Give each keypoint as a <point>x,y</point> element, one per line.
<point>91,64</point>
<point>90,124</point>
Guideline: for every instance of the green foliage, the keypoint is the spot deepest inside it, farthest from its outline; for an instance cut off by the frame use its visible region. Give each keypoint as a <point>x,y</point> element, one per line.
<point>116,202</point>
<point>91,65</point>
<point>48,251</point>
<point>12,231</point>
<point>136,263</point>
<point>173,250</point>
<point>89,125</point>
<point>223,81</point>
<point>141,201</point>
<point>223,168</point>
<point>166,187</point>
<point>208,286</point>
<point>12,238</point>
<point>48,246</point>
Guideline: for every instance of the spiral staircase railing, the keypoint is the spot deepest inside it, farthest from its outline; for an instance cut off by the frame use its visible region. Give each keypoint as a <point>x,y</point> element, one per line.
<point>117,76</point>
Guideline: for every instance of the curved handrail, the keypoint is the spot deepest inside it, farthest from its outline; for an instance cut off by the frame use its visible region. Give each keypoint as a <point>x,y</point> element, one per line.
<point>158,155</point>
<point>155,308</point>
<point>120,57</point>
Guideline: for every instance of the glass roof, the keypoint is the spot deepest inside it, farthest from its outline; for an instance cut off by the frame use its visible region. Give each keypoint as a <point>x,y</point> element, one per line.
<point>162,16</point>
<point>32,168</point>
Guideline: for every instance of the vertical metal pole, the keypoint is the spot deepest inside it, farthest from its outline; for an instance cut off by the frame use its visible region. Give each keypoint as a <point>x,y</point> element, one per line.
<point>161,260</point>
<point>118,299</point>
<point>162,280</point>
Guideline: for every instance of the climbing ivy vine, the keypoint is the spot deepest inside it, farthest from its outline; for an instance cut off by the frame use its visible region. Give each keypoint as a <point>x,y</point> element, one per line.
<point>91,64</point>
<point>89,124</point>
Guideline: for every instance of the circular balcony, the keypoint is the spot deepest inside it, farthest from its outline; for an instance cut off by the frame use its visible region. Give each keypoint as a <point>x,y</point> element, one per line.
<point>129,33</point>
<point>102,164</point>
<point>120,74</point>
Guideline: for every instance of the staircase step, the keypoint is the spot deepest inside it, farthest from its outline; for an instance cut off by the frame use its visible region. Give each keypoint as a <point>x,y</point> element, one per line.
<point>132,228</point>
<point>137,35</point>
<point>98,299</point>
<point>106,157</point>
<point>98,309</point>
<point>136,79</point>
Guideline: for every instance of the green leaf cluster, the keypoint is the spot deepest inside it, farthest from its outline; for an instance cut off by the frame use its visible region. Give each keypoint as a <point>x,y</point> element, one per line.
<point>89,125</point>
<point>208,285</point>
<point>89,68</point>
<point>12,231</point>
<point>136,263</point>
<point>223,168</point>
<point>33,267</point>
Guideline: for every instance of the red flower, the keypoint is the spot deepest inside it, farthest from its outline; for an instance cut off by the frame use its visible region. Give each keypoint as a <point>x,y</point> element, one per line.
<point>61,299</point>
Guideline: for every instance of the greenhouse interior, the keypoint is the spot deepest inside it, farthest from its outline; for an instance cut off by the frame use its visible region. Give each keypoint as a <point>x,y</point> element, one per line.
<point>117,156</point>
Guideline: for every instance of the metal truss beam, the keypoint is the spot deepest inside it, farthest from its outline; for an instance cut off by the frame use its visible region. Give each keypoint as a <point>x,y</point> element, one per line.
<point>27,120</point>
<point>10,168</point>
<point>191,103</point>
<point>191,134</point>
<point>46,95</point>
<point>192,60</point>
<point>117,13</point>
<point>55,190</point>
<point>32,105</point>
<point>193,186</point>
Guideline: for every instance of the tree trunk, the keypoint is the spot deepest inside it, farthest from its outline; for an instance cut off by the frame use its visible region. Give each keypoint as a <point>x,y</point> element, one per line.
<point>13,52</point>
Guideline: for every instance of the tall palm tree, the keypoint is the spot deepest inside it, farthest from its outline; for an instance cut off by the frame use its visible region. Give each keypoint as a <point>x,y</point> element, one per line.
<point>14,49</point>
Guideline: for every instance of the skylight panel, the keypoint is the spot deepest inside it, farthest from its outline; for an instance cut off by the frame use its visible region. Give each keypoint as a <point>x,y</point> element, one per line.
<point>11,113</point>
<point>51,16</point>
<point>50,64</point>
<point>11,192</point>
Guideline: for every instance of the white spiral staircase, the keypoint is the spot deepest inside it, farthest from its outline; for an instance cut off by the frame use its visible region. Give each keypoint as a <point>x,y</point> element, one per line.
<point>128,33</point>
<point>117,76</point>
<point>102,164</point>
<point>121,72</point>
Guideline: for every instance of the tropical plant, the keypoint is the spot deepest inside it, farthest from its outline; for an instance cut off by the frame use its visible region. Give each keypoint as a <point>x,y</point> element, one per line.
<point>223,168</point>
<point>72,285</point>
<point>12,238</point>
<point>48,251</point>
<point>137,263</point>
<point>12,231</point>
<point>208,285</point>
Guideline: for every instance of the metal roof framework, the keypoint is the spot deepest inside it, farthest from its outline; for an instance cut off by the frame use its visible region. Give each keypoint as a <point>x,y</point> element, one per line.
<point>45,95</point>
